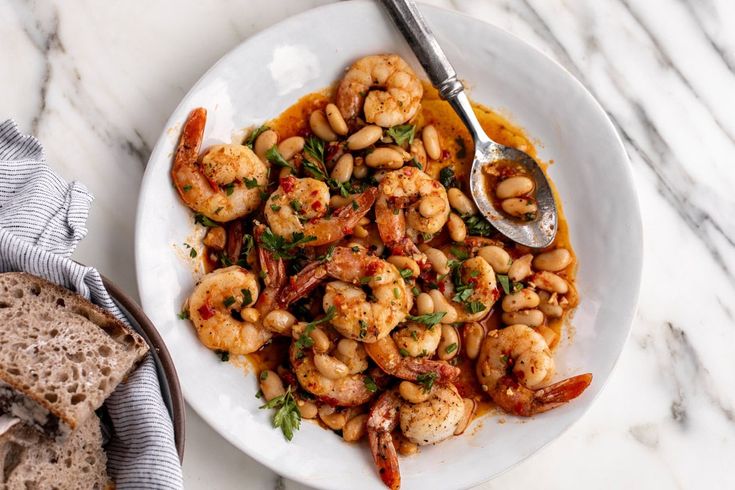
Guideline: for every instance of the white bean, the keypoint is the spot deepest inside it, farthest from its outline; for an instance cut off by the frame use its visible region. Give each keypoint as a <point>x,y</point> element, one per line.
<point>355,428</point>
<point>448,346</point>
<point>474,334</point>
<point>291,146</point>
<point>431,206</point>
<point>438,260</point>
<point>384,157</point>
<point>549,309</point>
<point>418,152</point>
<point>457,228</point>
<point>548,281</point>
<point>249,314</point>
<point>337,201</point>
<point>519,207</point>
<point>279,321</point>
<point>321,341</point>
<point>524,299</point>
<point>333,419</point>
<point>514,187</point>
<point>498,258</point>
<point>342,170</point>
<point>271,384</point>
<point>402,263</point>
<point>307,409</point>
<point>336,121</point>
<point>553,260</point>
<point>442,305</point>
<point>531,318</point>
<point>412,392</point>
<point>360,172</point>
<point>430,138</point>
<point>353,354</point>
<point>264,142</point>
<point>460,202</point>
<point>320,126</point>
<point>520,268</point>
<point>365,137</point>
<point>330,367</point>
<point>424,304</point>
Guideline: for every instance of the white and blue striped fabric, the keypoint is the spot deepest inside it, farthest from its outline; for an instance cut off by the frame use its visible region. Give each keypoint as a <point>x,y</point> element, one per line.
<point>42,219</point>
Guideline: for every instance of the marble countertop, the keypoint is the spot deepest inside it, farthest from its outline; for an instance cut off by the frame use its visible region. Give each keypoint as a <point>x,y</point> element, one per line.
<point>96,81</point>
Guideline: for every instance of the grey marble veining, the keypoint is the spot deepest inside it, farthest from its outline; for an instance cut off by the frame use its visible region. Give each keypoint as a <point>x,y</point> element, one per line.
<point>96,82</point>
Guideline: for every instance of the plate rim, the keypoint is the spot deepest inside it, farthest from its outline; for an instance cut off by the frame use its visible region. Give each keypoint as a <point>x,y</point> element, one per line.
<point>627,174</point>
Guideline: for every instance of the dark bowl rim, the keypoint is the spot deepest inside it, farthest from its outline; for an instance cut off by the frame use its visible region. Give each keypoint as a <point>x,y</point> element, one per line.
<point>162,357</point>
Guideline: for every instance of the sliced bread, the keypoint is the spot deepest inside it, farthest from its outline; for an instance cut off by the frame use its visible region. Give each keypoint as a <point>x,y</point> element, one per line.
<point>30,460</point>
<point>60,355</point>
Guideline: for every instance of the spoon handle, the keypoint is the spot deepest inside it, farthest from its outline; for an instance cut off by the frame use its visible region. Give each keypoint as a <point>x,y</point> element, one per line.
<point>424,45</point>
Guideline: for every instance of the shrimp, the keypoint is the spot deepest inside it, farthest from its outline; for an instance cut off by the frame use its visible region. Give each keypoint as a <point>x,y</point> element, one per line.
<point>356,317</point>
<point>513,365</point>
<point>475,292</point>
<point>210,309</point>
<point>350,390</point>
<point>301,205</point>
<point>410,202</point>
<point>220,184</point>
<point>397,102</point>
<point>388,356</point>
<point>427,422</point>
<point>224,291</point>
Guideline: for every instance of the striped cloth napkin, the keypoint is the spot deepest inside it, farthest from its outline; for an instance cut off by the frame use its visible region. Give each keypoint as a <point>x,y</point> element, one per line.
<point>42,219</point>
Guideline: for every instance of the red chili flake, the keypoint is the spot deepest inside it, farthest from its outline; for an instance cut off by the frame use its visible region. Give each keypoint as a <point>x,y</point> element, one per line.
<point>206,311</point>
<point>288,377</point>
<point>316,205</point>
<point>332,151</point>
<point>372,267</point>
<point>314,192</point>
<point>332,402</point>
<point>314,220</point>
<point>347,230</point>
<point>304,132</point>
<point>445,154</point>
<point>442,286</point>
<point>288,183</point>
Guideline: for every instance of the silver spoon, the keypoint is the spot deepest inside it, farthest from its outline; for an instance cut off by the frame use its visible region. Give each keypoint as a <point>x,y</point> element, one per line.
<point>538,232</point>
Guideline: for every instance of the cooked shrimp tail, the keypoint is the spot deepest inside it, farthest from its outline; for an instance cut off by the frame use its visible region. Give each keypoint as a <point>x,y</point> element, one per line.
<point>184,169</point>
<point>303,283</point>
<point>343,220</point>
<point>275,269</point>
<point>515,398</point>
<point>388,357</point>
<point>383,420</point>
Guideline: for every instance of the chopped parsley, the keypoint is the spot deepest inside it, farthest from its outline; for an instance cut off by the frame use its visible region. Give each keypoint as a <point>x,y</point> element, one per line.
<point>187,187</point>
<point>273,156</point>
<point>363,328</point>
<point>477,225</point>
<point>224,356</point>
<point>429,319</point>
<point>254,135</point>
<point>406,273</point>
<point>460,253</point>
<point>475,306</point>
<point>305,341</point>
<point>370,384</point>
<point>183,314</point>
<point>247,296</point>
<point>403,133</point>
<point>282,248</point>
<point>403,352</point>
<point>504,283</point>
<point>451,348</point>
<point>250,183</point>
<point>287,416</point>
<point>328,255</point>
<point>229,301</point>
<point>263,375</point>
<point>204,221</point>
<point>426,380</point>
<point>447,177</point>
<point>275,208</point>
<point>229,188</point>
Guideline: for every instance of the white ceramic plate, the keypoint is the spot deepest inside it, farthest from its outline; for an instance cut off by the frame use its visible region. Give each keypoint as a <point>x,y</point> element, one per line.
<point>269,72</point>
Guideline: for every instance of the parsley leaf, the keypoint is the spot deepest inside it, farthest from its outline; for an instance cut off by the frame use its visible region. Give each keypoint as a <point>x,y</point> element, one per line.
<point>254,135</point>
<point>250,183</point>
<point>224,356</point>
<point>247,296</point>
<point>406,273</point>
<point>477,225</point>
<point>183,314</point>
<point>280,247</point>
<point>273,156</point>
<point>475,306</point>
<point>314,147</point>
<point>403,133</point>
<point>426,380</point>
<point>305,341</point>
<point>287,416</point>
<point>451,348</point>
<point>429,319</point>
<point>504,283</point>
<point>204,221</point>
<point>447,178</point>
<point>229,301</point>
<point>370,384</point>
<point>229,188</point>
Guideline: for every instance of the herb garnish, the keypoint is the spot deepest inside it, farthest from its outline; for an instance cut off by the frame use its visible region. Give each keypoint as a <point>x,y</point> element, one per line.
<point>403,133</point>
<point>451,348</point>
<point>447,178</point>
<point>224,356</point>
<point>183,314</point>
<point>370,384</point>
<point>280,247</point>
<point>429,319</point>
<point>254,135</point>
<point>287,416</point>
<point>204,221</point>
<point>406,273</point>
<point>250,183</point>
<point>229,301</point>
<point>426,380</point>
<point>305,341</point>
<point>273,156</point>
<point>504,283</point>
<point>477,225</point>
